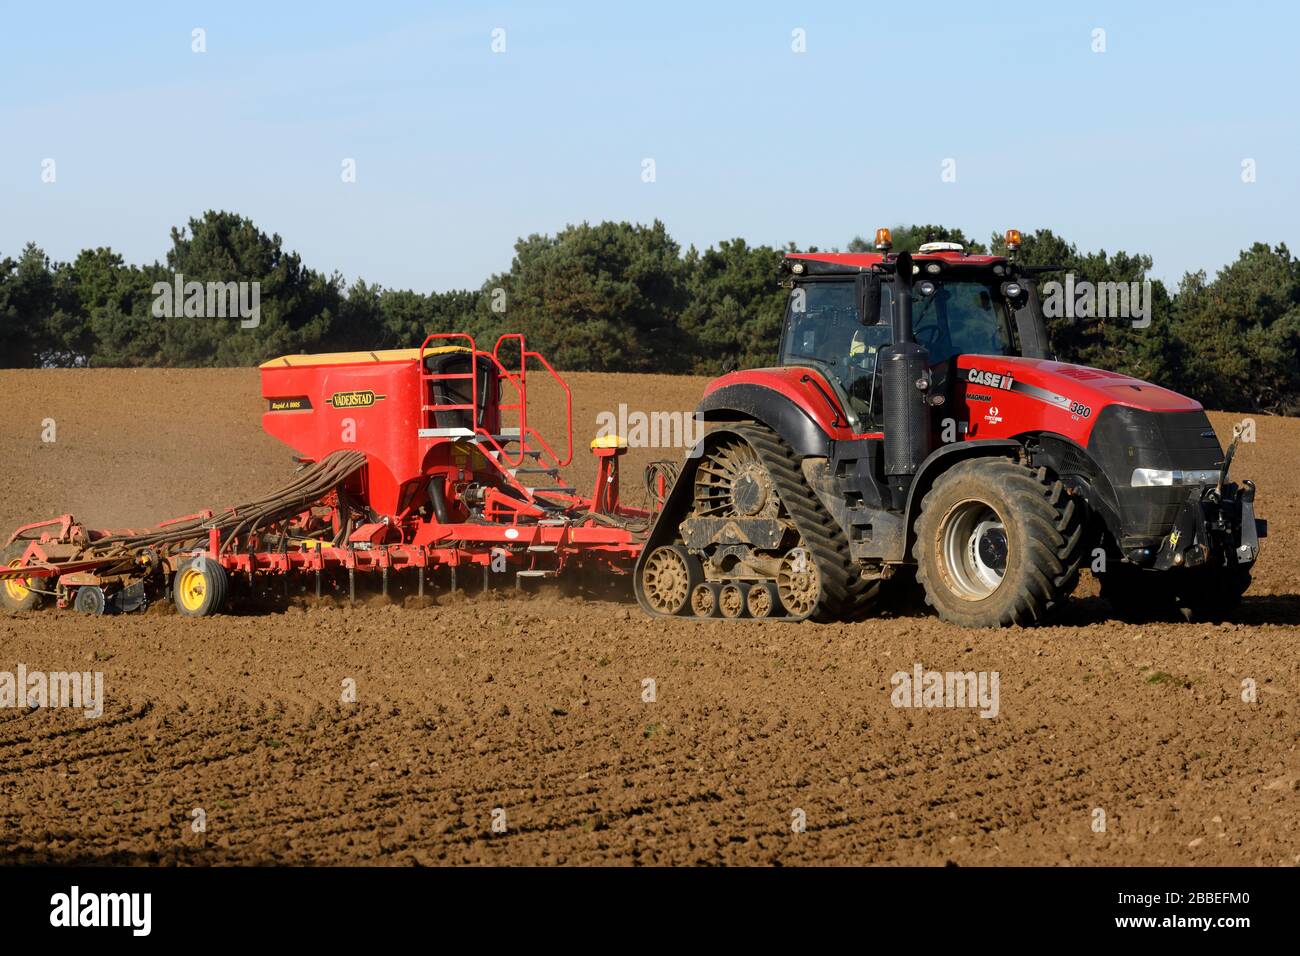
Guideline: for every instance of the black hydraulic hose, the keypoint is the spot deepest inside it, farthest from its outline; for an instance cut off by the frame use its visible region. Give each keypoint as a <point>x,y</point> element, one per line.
<point>438,498</point>
<point>309,485</point>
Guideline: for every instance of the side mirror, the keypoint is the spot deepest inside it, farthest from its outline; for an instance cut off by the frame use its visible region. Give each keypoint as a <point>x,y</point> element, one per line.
<point>870,299</point>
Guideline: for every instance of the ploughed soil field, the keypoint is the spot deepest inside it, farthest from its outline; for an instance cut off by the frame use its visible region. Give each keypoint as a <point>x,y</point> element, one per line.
<point>515,728</point>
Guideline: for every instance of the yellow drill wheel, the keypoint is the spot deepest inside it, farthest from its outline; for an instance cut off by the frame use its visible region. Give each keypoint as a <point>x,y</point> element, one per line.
<point>199,587</point>
<point>16,593</point>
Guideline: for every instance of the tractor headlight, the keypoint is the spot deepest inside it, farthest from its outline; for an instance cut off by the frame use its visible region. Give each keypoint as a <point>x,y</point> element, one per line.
<point>1151,477</point>
<point>1164,477</point>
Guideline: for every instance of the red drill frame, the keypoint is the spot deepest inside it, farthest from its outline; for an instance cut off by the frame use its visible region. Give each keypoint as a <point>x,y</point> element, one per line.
<point>440,486</point>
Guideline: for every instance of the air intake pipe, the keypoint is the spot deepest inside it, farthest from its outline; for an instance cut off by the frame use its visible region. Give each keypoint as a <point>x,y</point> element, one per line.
<point>904,381</point>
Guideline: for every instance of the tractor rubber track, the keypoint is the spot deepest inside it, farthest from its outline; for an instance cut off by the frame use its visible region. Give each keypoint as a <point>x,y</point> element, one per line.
<point>846,595</point>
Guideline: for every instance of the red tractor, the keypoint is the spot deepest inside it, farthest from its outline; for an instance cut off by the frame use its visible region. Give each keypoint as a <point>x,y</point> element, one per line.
<point>917,420</point>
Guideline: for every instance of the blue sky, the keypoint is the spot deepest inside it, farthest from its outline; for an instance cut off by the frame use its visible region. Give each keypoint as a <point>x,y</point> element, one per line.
<point>460,150</point>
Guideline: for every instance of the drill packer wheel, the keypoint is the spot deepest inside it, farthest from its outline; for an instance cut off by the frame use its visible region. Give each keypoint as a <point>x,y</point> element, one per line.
<point>200,587</point>
<point>15,593</point>
<point>90,600</point>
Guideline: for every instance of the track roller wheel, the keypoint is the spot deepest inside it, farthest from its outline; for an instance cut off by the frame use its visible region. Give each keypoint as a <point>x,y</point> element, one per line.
<point>90,600</point>
<point>15,594</point>
<point>762,600</point>
<point>200,587</point>
<point>731,601</point>
<point>669,577</point>
<point>704,600</point>
<point>798,583</point>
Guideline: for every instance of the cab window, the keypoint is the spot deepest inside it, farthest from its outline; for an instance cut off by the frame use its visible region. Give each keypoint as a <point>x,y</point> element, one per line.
<point>820,321</point>
<point>822,329</point>
<point>961,318</point>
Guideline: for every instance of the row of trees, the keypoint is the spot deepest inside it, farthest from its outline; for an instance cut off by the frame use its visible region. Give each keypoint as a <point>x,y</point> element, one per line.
<point>620,297</point>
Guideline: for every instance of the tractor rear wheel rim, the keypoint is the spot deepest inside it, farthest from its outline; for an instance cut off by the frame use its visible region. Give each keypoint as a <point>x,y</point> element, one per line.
<point>974,549</point>
<point>798,583</point>
<point>666,580</point>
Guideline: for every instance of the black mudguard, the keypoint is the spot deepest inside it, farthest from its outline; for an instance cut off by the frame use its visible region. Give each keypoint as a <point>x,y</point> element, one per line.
<point>769,407</point>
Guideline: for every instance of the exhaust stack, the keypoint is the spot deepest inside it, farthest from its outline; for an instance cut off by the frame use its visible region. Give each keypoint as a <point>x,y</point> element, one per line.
<point>904,380</point>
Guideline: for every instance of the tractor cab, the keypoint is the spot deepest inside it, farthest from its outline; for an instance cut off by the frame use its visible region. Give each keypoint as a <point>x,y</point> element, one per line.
<point>843,311</point>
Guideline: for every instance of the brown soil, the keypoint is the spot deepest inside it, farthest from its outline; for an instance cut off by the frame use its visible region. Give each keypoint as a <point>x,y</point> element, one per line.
<point>534,704</point>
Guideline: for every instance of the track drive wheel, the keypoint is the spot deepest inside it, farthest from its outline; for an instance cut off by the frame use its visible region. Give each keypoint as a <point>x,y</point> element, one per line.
<point>15,593</point>
<point>669,577</point>
<point>998,543</point>
<point>200,587</point>
<point>732,481</point>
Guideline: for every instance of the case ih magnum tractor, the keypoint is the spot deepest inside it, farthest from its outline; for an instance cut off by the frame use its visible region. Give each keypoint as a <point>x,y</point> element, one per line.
<point>916,418</point>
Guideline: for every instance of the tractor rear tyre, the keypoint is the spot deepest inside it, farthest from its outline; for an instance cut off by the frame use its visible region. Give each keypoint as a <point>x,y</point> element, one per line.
<point>16,593</point>
<point>200,587</point>
<point>998,543</point>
